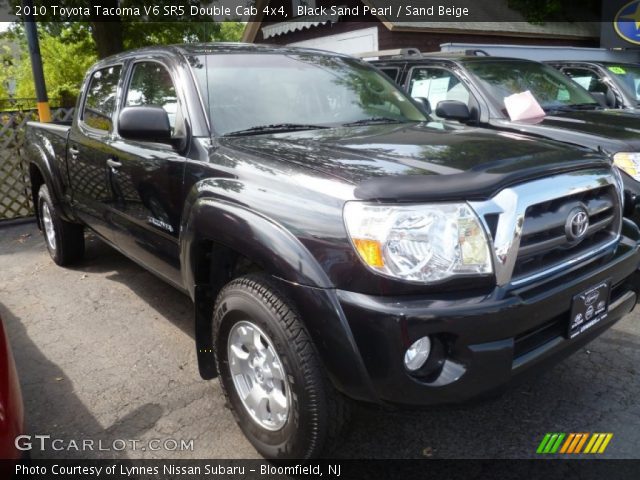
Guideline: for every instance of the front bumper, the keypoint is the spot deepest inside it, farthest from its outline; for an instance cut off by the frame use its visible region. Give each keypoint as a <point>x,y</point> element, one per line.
<point>487,340</point>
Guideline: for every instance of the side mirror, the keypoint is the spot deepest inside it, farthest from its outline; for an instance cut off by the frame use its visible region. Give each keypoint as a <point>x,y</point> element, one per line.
<point>424,104</point>
<point>145,123</point>
<point>453,110</point>
<point>601,98</point>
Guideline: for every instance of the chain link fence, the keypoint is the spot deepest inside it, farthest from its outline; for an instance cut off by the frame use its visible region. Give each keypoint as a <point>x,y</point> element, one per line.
<point>15,188</point>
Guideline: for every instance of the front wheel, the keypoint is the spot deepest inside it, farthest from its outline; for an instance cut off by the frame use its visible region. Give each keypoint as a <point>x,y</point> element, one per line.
<point>271,374</point>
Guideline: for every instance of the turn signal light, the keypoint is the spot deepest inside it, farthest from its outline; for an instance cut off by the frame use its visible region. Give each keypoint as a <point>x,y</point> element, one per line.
<point>370,251</point>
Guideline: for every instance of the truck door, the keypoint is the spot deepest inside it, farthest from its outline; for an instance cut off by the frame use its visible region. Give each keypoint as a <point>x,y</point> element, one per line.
<point>89,150</point>
<point>148,176</point>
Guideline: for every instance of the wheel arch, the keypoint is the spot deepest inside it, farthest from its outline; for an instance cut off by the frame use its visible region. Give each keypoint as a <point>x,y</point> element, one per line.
<point>212,256</point>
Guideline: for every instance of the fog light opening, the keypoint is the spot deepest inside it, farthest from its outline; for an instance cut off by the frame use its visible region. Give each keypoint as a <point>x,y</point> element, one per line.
<point>417,354</point>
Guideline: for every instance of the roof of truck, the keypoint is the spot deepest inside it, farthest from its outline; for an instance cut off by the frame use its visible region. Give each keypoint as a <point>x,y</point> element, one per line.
<point>217,48</point>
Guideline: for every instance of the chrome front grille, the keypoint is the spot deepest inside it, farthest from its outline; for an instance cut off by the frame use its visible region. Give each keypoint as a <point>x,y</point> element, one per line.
<point>544,241</point>
<point>529,223</point>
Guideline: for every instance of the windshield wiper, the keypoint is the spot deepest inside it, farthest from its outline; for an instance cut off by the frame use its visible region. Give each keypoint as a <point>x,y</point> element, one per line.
<point>372,121</point>
<point>276,127</point>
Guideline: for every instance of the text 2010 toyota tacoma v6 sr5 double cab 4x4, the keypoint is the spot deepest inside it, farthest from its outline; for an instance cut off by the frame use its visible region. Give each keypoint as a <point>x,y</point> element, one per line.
<point>336,241</point>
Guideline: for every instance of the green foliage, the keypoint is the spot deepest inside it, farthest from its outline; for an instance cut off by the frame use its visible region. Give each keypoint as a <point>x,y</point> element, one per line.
<point>69,49</point>
<point>65,64</point>
<point>113,34</point>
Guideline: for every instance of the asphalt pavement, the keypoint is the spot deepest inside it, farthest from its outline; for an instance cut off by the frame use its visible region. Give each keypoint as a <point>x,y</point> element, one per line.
<point>105,353</point>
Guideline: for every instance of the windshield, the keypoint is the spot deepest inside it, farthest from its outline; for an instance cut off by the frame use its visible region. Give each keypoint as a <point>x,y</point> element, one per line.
<point>627,77</point>
<point>550,88</point>
<point>249,92</point>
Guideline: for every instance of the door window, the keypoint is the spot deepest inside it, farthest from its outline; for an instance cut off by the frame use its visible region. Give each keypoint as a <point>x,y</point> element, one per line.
<point>151,85</point>
<point>391,72</point>
<point>100,101</point>
<point>587,79</point>
<point>436,85</point>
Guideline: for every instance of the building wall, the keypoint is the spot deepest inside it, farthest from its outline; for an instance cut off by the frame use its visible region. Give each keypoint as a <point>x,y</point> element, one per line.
<point>425,41</point>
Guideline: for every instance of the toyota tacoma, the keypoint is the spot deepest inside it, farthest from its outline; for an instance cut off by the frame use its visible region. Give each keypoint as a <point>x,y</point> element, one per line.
<point>337,242</point>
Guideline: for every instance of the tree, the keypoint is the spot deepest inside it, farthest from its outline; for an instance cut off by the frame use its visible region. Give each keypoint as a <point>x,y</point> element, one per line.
<point>69,48</point>
<point>65,64</point>
<point>112,34</point>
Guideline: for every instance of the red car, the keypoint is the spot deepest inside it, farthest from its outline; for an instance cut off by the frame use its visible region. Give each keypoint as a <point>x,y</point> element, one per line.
<point>11,408</point>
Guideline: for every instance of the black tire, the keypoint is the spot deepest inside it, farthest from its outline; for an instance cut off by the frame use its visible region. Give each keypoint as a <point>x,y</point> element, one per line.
<point>317,412</point>
<point>68,245</point>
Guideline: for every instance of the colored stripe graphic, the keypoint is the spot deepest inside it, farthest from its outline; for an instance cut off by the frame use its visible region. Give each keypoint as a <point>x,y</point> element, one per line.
<point>573,443</point>
<point>598,442</point>
<point>581,442</point>
<point>567,443</point>
<point>551,443</point>
<point>543,443</point>
<point>592,441</point>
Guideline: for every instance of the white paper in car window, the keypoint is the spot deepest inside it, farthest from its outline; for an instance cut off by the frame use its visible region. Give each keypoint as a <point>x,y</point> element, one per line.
<point>584,82</point>
<point>523,106</point>
<point>420,88</point>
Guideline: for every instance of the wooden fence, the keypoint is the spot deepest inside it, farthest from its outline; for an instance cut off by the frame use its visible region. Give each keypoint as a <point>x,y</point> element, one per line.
<point>15,189</point>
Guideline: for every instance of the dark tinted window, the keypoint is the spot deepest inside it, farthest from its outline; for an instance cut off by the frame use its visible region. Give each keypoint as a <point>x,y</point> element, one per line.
<point>392,73</point>
<point>151,85</point>
<point>100,102</point>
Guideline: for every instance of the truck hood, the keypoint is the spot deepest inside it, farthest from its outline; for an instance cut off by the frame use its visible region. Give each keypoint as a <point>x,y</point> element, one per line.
<point>609,131</point>
<point>421,162</point>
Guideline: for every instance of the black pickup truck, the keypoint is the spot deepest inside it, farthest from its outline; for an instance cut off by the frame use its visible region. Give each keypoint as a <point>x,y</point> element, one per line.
<point>336,241</point>
<point>470,87</point>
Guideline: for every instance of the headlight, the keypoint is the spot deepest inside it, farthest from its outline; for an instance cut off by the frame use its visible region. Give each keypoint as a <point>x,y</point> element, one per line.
<point>418,243</point>
<point>629,163</point>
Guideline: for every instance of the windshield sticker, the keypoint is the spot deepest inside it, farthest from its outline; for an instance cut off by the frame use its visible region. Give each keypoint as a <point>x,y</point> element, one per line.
<point>523,106</point>
<point>617,70</point>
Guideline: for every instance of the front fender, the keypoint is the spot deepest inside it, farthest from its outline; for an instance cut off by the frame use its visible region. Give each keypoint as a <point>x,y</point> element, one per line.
<point>279,253</point>
<point>264,242</point>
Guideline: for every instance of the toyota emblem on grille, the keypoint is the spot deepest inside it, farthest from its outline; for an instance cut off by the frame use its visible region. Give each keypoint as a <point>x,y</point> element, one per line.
<point>577,224</point>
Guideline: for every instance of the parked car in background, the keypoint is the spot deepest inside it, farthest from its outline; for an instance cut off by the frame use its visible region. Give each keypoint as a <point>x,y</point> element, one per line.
<point>470,89</point>
<point>335,240</point>
<point>11,408</point>
<point>617,83</point>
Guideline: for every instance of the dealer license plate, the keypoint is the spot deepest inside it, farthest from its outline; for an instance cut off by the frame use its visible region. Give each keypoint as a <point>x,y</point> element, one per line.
<point>589,308</point>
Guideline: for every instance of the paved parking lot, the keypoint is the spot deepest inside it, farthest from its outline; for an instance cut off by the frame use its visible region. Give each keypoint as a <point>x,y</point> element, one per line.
<point>105,352</point>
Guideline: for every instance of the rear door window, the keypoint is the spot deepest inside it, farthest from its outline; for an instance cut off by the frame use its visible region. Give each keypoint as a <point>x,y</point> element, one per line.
<point>391,72</point>
<point>100,101</point>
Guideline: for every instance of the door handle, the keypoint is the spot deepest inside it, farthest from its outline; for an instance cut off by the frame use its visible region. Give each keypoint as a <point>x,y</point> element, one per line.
<point>113,163</point>
<point>74,151</point>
